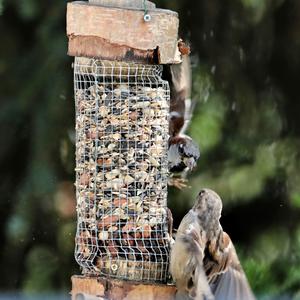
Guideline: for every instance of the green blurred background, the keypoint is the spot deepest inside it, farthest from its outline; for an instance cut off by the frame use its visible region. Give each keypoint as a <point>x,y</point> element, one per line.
<point>246,75</point>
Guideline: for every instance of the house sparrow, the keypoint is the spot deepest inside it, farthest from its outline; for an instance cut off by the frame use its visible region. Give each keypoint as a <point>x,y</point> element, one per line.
<point>183,153</point>
<point>204,263</point>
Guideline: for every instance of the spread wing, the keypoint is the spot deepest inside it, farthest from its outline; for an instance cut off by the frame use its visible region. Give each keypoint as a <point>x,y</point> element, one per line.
<point>230,285</point>
<point>187,262</point>
<point>226,276</point>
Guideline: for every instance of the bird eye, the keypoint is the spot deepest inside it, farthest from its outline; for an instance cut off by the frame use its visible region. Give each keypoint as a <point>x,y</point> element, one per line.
<point>202,193</point>
<point>190,283</point>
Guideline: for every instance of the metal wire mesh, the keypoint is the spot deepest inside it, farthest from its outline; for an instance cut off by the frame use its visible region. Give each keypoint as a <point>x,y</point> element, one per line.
<point>121,169</point>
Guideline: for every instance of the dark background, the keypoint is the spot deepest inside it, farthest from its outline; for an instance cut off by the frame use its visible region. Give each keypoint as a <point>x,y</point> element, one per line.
<point>246,80</point>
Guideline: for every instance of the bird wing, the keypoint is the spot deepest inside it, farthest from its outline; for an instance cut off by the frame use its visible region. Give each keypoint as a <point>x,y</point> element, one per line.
<point>187,262</point>
<point>174,157</point>
<point>188,114</point>
<point>191,149</point>
<point>231,285</point>
<point>185,83</point>
<point>182,296</point>
<point>181,107</point>
<point>227,278</point>
<point>181,77</point>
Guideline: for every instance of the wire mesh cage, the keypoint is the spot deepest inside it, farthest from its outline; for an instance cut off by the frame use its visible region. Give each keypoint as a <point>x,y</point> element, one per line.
<point>122,114</point>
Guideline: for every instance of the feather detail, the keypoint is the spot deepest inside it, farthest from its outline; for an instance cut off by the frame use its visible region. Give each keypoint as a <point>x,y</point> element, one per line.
<point>186,264</point>
<point>204,257</point>
<point>230,281</point>
<point>231,285</point>
<point>179,78</point>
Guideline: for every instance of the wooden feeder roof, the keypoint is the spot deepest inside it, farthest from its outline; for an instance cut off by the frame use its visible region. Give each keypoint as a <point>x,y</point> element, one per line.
<point>116,33</point>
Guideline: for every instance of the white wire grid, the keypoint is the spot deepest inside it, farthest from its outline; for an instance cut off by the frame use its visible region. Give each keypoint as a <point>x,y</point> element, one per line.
<point>122,113</point>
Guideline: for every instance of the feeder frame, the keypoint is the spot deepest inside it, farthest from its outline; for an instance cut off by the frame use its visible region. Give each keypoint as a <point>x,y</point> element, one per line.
<point>130,39</point>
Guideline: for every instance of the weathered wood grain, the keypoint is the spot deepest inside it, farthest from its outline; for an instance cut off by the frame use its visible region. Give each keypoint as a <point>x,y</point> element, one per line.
<point>91,46</point>
<point>85,288</point>
<point>134,4</point>
<point>88,26</point>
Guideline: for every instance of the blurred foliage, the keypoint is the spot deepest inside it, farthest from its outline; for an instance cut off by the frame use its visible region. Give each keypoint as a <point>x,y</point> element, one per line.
<point>246,77</point>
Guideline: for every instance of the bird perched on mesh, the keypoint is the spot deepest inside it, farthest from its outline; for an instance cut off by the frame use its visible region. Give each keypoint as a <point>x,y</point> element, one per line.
<point>183,152</point>
<point>204,263</point>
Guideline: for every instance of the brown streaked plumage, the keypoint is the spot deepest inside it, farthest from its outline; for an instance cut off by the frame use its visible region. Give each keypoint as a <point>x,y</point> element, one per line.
<point>183,152</point>
<point>202,247</point>
<point>180,80</point>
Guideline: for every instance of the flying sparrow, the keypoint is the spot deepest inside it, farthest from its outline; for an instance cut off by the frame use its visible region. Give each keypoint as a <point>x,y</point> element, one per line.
<point>204,263</point>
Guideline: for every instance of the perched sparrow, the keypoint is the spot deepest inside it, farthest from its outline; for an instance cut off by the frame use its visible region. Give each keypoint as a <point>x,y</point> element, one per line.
<point>204,263</point>
<point>183,152</point>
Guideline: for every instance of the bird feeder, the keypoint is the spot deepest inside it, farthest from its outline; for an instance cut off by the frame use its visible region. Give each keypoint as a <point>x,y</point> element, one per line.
<point>122,126</point>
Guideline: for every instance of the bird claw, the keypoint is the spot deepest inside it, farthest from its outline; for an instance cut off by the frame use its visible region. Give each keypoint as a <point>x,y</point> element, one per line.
<point>179,183</point>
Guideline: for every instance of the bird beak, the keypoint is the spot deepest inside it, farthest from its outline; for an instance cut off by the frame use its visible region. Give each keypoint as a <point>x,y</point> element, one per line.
<point>190,163</point>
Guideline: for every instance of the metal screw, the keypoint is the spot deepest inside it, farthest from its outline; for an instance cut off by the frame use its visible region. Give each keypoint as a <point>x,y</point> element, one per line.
<point>147,18</point>
<point>114,267</point>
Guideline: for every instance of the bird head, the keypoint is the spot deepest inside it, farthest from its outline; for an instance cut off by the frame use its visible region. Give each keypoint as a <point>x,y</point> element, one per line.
<point>208,207</point>
<point>183,153</point>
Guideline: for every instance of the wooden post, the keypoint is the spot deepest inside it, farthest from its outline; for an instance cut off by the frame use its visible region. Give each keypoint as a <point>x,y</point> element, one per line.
<point>92,288</point>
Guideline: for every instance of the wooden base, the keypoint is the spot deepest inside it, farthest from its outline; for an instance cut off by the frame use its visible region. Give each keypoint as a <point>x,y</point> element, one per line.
<point>93,288</point>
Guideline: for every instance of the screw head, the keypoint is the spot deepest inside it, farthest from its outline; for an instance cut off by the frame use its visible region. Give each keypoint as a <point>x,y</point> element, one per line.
<point>147,18</point>
<point>114,267</point>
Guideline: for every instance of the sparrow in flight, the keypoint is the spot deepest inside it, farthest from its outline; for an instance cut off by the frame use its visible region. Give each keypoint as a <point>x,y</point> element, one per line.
<point>204,263</point>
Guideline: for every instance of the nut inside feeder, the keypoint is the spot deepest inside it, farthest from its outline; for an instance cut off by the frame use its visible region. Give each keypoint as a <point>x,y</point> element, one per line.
<point>122,126</point>
<point>122,169</point>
